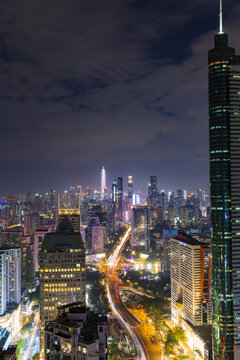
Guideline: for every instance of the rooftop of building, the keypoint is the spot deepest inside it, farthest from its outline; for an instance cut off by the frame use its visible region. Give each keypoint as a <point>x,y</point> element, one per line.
<point>204,332</point>
<point>88,324</point>
<point>188,239</point>
<point>79,308</point>
<point>63,239</point>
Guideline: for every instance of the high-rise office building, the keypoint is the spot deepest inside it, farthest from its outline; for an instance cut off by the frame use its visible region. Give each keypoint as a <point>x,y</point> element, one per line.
<point>130,188</point>
<point>185,194</point>
<point>184,216</point>
<point>114,191</point>
<point>74,216</point>
<point>62,273</point>
<point>190,280</point>
<point>152,190</point>
<point>3,295</point>
<point>69,205</point>
<point>140,226</point>
<point>103,182</point>
<point>180,194</point>
<point>224,129</point>
<point>170,215</point>
<point>13,275</point>
<point>191,305</point>
<point>10,277</point>
<point>99,236</point>
<point>119,200</point>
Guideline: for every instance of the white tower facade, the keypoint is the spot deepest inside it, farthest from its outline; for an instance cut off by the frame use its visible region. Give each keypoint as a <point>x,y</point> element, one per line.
<point>103,182</point>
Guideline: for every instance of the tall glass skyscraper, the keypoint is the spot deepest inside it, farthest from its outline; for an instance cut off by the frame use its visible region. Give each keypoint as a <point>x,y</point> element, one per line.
<point>119,199</point>
<point>224,130</point>
<point>130,188</point>
<point>152,190</point>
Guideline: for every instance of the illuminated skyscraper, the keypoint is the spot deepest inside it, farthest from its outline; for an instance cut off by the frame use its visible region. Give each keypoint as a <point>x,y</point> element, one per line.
<point>103,182</point>
<point>13,272</point>
<point>10,277</point>
<point>62,273</point>
<point>72,213</point>
<point>224,128</point>
<point>152,190</point>
<point>184,216</point>
<point>140,226</point>
<point>190,290</point>
<point>119,200</point>
<point>3,281</point>
<point>170,215</point>
<point>130,188</point>
<point>99,236</point>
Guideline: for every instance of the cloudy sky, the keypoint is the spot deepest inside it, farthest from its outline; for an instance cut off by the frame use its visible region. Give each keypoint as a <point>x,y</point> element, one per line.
<point>119,83</point>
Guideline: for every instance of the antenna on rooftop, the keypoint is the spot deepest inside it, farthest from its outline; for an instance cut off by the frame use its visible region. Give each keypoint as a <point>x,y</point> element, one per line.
<point>220,19</point>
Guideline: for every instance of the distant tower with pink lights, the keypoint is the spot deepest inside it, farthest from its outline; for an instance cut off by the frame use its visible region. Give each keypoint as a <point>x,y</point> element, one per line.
<point>103,182</point>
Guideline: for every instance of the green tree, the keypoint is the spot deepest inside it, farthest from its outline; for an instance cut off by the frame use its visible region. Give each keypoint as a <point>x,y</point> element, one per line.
<point>173,338</point>
<point>114,352</point>
<point>170,343</point>
<point>20,347</point>
<point>180,334</point>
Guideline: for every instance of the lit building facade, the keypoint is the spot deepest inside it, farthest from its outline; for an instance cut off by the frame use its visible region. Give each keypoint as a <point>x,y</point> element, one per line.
<point>13,275</point>
<point>119,201</point>
<point>152,190</point>
<point>184,216</point>
<point>224,129</point>
<point>62,273</point>
<point>140,226</point>
<point>170,215</point>
<point>3,289</point>
<point>191,306</point>
<point>190,280</point>
<point>10,277</point>
<point>74,216</point>
<point>130,188</point>
<point>99,236</point>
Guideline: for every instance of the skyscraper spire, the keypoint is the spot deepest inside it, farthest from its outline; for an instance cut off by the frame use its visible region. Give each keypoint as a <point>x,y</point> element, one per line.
<point>220,19</point>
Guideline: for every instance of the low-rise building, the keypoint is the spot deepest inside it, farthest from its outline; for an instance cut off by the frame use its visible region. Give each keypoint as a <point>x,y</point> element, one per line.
<point>77,333</point>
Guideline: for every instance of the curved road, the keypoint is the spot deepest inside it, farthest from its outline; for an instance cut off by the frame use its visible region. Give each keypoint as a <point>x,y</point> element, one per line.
<point>146,350</point>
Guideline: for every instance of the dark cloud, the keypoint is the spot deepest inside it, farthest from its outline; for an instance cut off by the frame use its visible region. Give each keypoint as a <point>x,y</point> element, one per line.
<point>119,83</point>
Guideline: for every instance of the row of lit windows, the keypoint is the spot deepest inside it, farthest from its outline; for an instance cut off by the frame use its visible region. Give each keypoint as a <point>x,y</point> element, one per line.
<point>61,289</point>
<point>61,270</point>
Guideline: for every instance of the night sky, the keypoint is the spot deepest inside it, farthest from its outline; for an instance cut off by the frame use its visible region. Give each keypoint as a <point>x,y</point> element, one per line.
<point>119,83</point>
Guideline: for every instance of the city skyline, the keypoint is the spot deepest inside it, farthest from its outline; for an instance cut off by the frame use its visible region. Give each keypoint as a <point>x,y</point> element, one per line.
<point>119,200</point>
<point>139,187</point>
<point>135,116</point>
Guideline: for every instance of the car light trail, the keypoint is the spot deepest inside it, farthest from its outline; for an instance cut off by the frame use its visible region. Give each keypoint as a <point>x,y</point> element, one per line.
<point>138,345</point>
<point>112,263</point>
